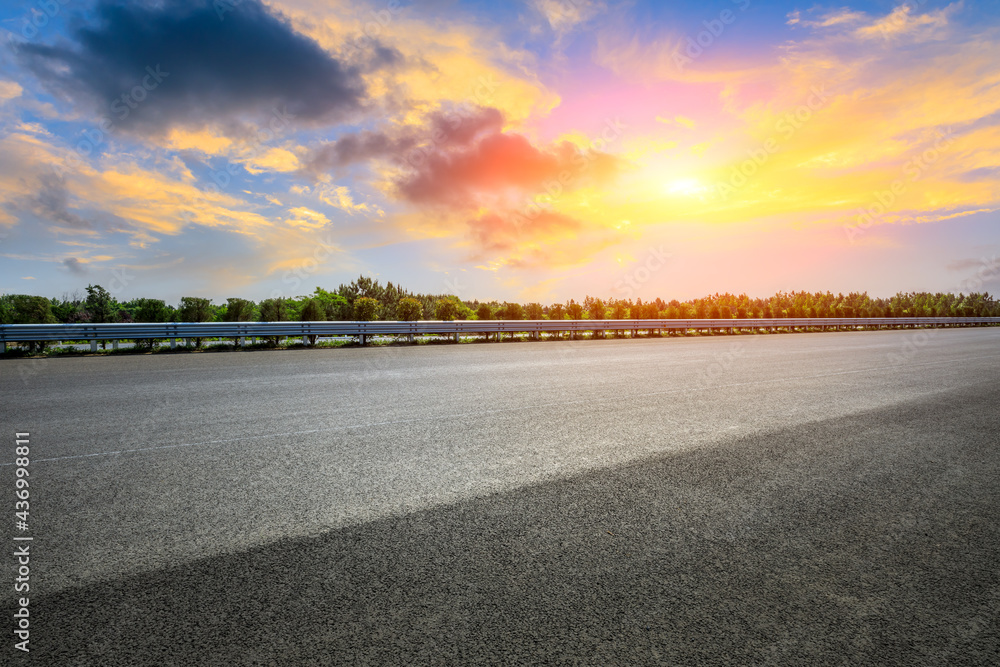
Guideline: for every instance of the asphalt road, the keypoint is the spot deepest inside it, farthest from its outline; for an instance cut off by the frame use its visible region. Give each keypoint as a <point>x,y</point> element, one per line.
<point>775,499</point>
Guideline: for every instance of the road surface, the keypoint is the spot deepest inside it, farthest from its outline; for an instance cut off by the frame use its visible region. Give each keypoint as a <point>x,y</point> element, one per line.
<point>773,499</point>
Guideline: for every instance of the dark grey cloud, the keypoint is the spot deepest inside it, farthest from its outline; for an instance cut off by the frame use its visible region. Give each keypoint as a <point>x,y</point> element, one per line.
<point>360,147</point>
<point>192,64</point>
<point>75,266</point>
<point>965,264</point>
<point>450,129</point>
<point>51,202</point>
<point>442,130</point>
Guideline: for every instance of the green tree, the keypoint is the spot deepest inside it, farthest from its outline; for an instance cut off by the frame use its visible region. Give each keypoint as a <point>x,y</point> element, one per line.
<point>238,310</point>
<point>445,310</point>
<point>25,309</point>
<point>557,312</point>
<point>101,305</point>
<point>574,310</point>
<point>534,311</point>
<point>484,312</point>
<point>510,311</point>
<point>335,306</point>
<point>366,309</point>
<point>195,309</point>
<point>273,310</point>
<point>70,309</point>
<point>148,310</point>
<point>312,311</point>
<point>409,309</point>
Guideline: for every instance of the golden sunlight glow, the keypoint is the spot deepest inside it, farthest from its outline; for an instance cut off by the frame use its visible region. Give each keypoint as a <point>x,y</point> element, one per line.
<point>686,187</point>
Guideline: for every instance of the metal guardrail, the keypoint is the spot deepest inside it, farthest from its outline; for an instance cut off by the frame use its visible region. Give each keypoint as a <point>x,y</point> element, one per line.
<point>174,331</point>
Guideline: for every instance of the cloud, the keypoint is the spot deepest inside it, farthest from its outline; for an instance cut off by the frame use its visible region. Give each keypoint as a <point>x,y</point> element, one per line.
<point>966,264</point>
<point>340,197</point>
<point>501,165</point>
<point>903,22</point>
<point>838,17</point>
<point>565,15</point>
<point>441,130</point>
<point>443,60</point>
<point>156,66</point>
<point>466,177</point>
<point>493,232</point>
<point>75,266</point>
<point>9,90</point>
<point>353,148</point>
<point>305,218</point>
<point>272,159</point>
<point>51,202</point>
<point>202,140</point>
<point>677,120</point>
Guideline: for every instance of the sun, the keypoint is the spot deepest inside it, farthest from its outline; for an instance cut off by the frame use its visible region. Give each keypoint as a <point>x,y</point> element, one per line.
<point>685,187</point>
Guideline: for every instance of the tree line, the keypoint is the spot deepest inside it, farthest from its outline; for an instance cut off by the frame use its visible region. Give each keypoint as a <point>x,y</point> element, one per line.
<point>365,299</point>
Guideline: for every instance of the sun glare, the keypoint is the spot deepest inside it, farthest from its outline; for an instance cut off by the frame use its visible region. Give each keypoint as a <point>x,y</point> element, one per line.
<point>686,187</point>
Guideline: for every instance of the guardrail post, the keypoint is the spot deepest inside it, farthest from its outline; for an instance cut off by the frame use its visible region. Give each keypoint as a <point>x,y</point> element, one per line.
<point>456,336</point>
<point>364,339</point>
<point>173,343</point>
<point>93,346</point>
<point>409,338</point>
<point>3,349</point>
<point>114,344</point>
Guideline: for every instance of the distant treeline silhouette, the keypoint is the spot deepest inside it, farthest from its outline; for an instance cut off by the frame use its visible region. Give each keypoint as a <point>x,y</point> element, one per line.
<point>367,299</point>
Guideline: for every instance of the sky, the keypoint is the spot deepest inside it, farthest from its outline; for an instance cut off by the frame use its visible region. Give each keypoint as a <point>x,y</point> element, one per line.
<point>525,151</point>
